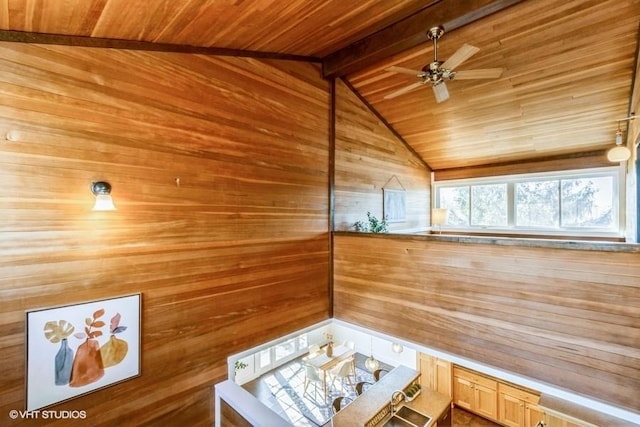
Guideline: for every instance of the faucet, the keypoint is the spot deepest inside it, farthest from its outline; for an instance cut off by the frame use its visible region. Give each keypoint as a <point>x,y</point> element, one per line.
<point>394,397</point>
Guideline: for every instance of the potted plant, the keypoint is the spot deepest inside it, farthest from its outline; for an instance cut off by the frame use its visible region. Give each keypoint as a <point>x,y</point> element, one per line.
<point>372,225</point>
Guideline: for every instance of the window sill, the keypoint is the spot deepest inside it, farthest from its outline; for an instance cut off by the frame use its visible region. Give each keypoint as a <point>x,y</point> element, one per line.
<point>531,235</point>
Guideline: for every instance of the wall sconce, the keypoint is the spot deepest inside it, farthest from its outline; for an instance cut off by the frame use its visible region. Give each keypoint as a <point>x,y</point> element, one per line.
<point>102,191</point>
<point>439,217</point>
<point>620,153</point>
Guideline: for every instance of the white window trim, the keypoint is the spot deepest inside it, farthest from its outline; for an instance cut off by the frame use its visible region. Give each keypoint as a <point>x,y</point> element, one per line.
<point>618,172</point>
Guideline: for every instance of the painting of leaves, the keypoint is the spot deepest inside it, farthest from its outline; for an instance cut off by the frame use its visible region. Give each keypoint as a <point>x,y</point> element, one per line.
<point>73,349</point>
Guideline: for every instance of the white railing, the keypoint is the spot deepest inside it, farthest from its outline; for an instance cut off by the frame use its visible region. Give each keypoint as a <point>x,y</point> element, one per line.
<point>248,406</point>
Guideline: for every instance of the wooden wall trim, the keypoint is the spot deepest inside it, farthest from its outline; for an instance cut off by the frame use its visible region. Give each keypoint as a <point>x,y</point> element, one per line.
<point>332,184</point>
<point>577,245</point>
<point>591,159</point>
<point>105,43</point>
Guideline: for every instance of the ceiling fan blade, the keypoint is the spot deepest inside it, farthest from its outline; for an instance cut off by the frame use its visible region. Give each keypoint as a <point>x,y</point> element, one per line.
<point>405,71</point>
<point>461,55</point>
<point>441,92</point>
<point>487,73</point>
<point>403,90</point>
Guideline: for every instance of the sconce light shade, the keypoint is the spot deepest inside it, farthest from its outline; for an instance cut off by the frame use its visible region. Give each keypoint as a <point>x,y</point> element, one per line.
<point>439,216</point>
<point>397,347</point>
<point>102,191</point>
<point>619,153</point>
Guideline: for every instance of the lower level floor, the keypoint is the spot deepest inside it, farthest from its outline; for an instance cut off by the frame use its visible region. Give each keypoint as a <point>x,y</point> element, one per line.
<point>283,390</point>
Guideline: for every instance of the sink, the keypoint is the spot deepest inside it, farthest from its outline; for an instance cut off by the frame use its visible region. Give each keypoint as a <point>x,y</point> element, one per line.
<point>396,421</point>
<point>407,417</point>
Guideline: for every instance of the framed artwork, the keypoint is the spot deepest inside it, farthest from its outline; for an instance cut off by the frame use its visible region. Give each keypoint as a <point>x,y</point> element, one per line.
<point>394,207</point>
<point>76,349</point>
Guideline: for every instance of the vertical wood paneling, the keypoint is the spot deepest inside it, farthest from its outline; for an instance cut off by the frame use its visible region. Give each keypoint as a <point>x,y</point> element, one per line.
<point>570,318</point>
<point>369,158</point>
<point>219,168</point>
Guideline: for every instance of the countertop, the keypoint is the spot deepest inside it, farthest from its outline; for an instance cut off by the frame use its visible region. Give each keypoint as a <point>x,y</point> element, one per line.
<point>431,403</point>
<point>367,405</point>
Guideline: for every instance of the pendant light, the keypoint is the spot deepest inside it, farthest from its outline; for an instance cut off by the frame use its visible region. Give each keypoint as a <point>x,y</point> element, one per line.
<point>619,153</point>
<point>371,363</point>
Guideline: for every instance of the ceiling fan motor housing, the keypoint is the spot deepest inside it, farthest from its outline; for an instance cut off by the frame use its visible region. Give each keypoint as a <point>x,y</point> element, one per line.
<point>435,33</point>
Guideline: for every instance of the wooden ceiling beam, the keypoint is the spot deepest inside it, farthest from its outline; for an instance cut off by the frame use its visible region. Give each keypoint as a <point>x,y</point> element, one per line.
<point>82,41</point>
<point>408,33</point>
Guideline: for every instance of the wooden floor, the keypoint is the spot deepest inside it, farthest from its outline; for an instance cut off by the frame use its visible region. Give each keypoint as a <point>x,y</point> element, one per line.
<point>282,391</point>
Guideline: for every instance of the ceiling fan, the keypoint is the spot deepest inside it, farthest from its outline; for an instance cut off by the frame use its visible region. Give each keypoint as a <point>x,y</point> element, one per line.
<point>437,72</point>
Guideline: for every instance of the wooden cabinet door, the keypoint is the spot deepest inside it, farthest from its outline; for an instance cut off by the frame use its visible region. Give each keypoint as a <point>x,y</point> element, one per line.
<point>463,393</point>
<point>435,374</point>
<point>532,415</point>
<point>427,371</point>
<point>511,410</point>
<point>442,381</point>
<point>486,401</point>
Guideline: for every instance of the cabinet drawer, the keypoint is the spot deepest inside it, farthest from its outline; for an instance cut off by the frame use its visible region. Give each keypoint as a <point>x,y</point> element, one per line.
<point>487,382</point>
<point>476,378</point>
<point>518,393</point>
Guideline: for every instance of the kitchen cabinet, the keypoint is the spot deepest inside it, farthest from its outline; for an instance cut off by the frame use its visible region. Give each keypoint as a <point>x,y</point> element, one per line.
<point>475,392</point>
<point>518,407</point>
<point>435,373</point>
<point>533,415</point>
<point>444,420</point>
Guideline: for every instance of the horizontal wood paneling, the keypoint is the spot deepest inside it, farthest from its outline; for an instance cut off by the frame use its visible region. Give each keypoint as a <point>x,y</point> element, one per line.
<point>368,158</point>
<point>231,418</point>
<point>570,318</point>
<point>219,168</point>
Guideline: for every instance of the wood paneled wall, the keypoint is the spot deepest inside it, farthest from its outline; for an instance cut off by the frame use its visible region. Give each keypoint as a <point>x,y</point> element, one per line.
<point>219,168</point>
<point>368,158</point>
<point>570,318</point>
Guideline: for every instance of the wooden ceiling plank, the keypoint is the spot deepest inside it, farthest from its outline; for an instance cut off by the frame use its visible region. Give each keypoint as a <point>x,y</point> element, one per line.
<point>408,33</point>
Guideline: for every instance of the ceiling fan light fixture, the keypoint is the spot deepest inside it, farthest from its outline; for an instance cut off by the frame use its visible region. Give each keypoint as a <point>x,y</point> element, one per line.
<point>436,72</point>
<point>440,91</point>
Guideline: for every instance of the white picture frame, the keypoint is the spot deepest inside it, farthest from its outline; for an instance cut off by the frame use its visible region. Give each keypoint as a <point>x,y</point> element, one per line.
<point>75,349</point>
<point>394,207</point>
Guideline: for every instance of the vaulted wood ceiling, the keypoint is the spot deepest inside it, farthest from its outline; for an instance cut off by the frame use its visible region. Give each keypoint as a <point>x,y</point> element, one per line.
<point>568,66</point>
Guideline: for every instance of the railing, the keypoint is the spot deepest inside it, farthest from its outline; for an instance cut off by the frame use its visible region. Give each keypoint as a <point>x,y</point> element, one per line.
<point>245,406</point>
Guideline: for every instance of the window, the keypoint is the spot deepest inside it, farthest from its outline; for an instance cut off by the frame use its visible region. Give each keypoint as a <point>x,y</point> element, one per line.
<point>264,358</point>
<point>285,349</point>
<point>572,202</point>
<point>270,357</point>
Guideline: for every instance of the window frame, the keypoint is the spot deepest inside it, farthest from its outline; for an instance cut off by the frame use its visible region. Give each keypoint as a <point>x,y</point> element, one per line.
<point>618,197</point>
